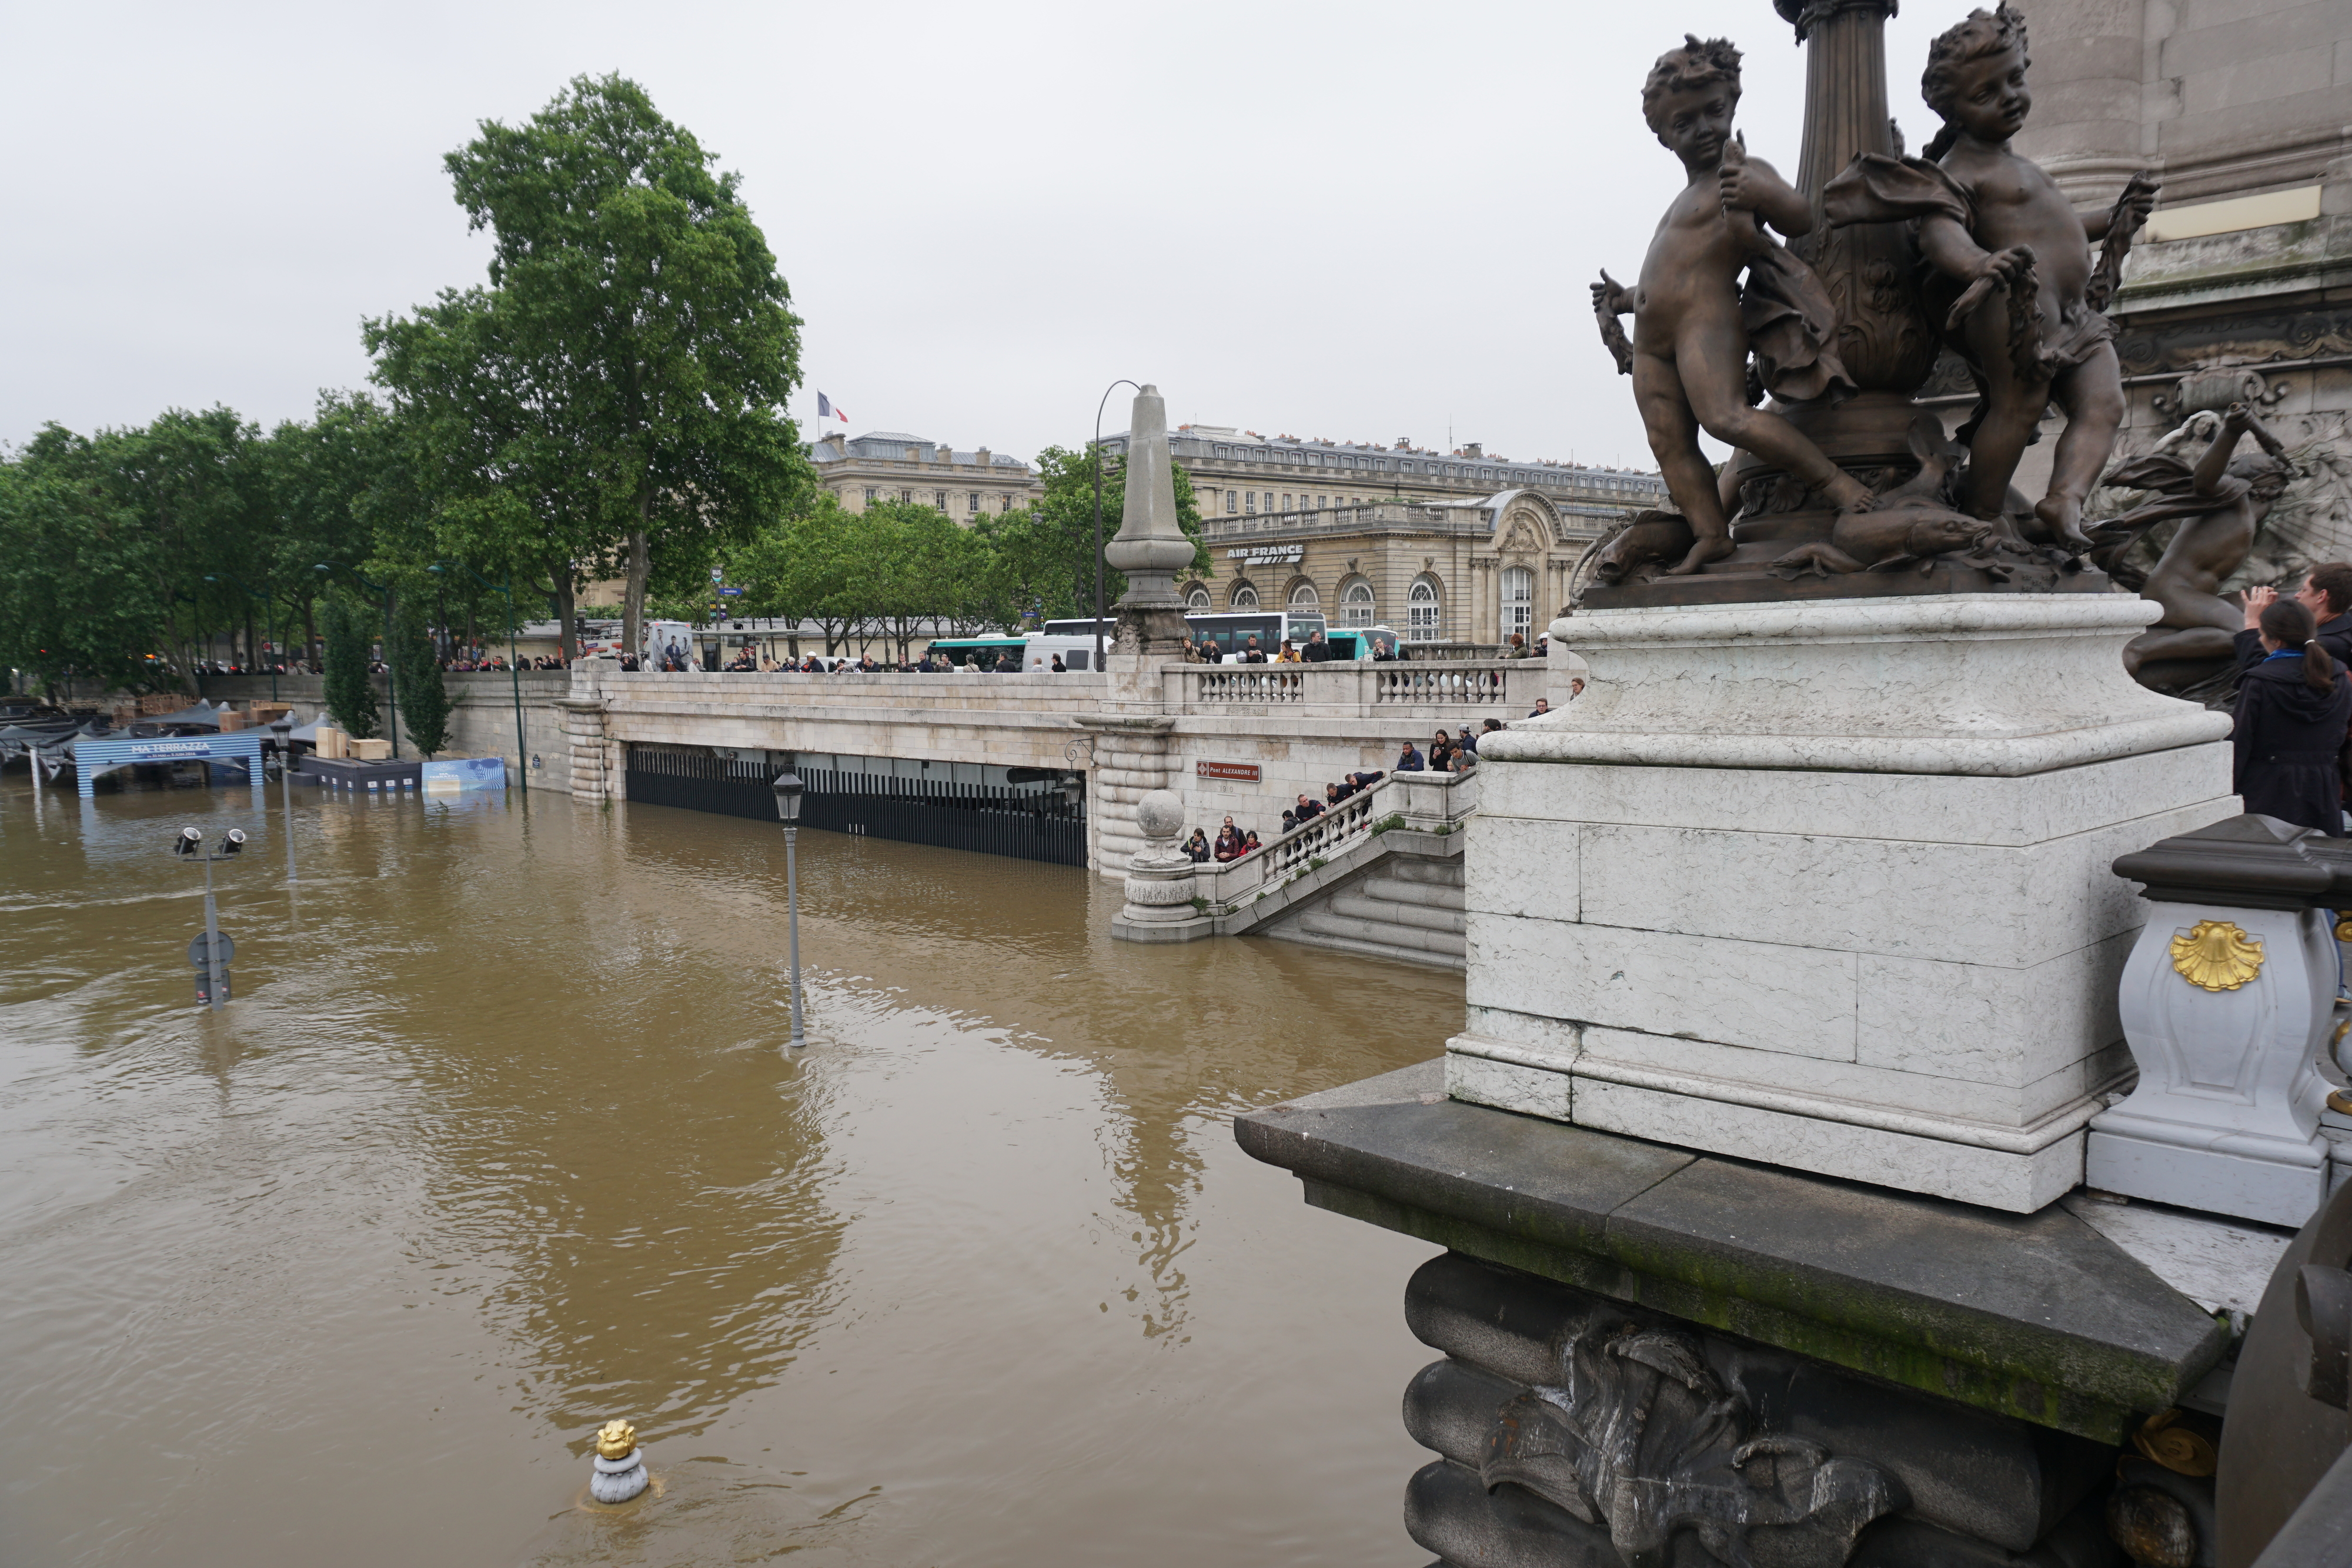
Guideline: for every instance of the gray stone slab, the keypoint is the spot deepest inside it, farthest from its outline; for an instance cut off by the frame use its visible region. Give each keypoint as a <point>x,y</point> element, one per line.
<point>2037,1316</point>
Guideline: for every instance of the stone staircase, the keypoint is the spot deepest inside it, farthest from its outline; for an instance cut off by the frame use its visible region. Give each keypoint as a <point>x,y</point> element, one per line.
<point>1381,877</point>
<point>1406,906</point>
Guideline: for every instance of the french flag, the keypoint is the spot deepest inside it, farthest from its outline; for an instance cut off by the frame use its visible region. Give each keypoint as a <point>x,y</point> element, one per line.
<point>824,409</point>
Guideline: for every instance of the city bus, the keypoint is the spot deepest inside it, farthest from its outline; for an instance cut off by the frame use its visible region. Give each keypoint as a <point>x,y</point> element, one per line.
<point>1028,652</point>
<point>1231,632</point>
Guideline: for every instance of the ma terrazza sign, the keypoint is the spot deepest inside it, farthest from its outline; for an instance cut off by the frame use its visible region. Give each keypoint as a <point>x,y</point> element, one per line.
<point>1244,771</point>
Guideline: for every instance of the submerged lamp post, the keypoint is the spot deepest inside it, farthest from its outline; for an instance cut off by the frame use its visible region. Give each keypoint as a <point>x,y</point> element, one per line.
<point>212,951</point>
<point>514,665</point>
<point>391,676</point>
<point>789,790</point>
<point>283,729</point>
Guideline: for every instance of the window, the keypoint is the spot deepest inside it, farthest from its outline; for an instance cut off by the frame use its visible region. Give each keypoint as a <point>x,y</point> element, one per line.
<point>1245,596</point>
<point>1269,500</point>
<point>1322,503</point>
<point>869,495</point>
<point>1233,500</point>
<point>1198,601</point>
<point>1519,601</point>
<point>939,500</point>
<point>1305,598</point>
<point>976,500</point>
<point>907,496</point>
<point>1008,503</point>
<point>1421,611</point>
<point>1250,496</point>
<point>1356,604</point>
<point>1286,500</point>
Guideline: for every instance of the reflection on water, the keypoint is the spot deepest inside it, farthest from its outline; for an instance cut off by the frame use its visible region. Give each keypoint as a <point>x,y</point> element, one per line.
<point>497,1141</point>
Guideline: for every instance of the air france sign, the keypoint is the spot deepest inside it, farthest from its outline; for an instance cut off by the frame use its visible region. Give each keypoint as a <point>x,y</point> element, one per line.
<point>1266,552</point>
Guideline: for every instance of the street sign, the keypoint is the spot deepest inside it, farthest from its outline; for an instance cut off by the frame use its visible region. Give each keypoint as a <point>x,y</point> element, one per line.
<point>198,956</point>
<point>732,592</point>
<point>717,575</point>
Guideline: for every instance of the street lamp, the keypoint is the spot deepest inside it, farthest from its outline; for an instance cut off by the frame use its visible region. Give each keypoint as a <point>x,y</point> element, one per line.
<point>1098,555</point>
<point>789,790</point>
<point>283,729</point>
<point>391,676</point>
<point>514,664</point>
<point>212,951</point>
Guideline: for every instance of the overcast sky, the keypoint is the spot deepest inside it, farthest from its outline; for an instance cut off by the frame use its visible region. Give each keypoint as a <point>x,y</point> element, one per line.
<point>1353,220</point>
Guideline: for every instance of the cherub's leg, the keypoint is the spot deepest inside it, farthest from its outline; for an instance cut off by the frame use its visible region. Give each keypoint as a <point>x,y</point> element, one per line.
<point>1716,381</point>
<point>2013,408</point>
<point>1673,441</point>
<point>2091,394</point>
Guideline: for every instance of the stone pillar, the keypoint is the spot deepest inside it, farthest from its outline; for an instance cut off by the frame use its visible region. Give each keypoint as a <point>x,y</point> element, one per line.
<point>1131,759</point>
<point>2089,60</point>
<point>1160,906</point>
<point>594,767</point>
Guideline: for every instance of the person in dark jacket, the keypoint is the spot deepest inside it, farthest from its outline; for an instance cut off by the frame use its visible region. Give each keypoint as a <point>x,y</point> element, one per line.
<point>2292,709</point>
<point>2326,593</point>
<point>1408,760</point>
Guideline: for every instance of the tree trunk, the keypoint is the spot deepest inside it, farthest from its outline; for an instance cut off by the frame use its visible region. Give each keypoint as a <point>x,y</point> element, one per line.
<point>633,597</point>
<point>567,644</point>
<point>310,630</point>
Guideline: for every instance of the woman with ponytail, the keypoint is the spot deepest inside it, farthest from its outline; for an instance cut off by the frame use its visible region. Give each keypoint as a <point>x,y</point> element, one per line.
<point>2292,709</point>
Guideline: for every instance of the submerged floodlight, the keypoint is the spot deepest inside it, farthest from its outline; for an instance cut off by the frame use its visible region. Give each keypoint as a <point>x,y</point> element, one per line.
<point>789,790</point>
<point>236,844</point>
<point>190,841</point>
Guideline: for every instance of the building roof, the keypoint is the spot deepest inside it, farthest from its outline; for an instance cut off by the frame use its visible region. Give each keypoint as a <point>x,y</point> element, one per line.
<point>897,446</point>
<point>1245,447</point>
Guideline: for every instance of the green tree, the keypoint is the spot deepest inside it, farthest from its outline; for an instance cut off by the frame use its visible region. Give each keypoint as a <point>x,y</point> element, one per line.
<point>350,693</point>
<point>639,306</point>
<point>79,587</point>
<point>417,677</point>
<point>798,566</point>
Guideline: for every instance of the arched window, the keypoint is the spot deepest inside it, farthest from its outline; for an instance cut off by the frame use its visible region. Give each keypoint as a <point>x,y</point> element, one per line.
<point>1305,598</point>
<point>1421,611</point>
<point>1198,601</point>
<point>1245,596</point>
<point>1519,601</point>
<point>1356,604</point>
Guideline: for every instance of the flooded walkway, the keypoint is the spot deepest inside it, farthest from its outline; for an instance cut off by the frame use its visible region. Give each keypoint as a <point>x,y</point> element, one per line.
<point>497,1141</point>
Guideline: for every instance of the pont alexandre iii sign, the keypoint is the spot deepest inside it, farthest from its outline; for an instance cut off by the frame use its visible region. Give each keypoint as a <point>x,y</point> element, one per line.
<point>1246,772</point>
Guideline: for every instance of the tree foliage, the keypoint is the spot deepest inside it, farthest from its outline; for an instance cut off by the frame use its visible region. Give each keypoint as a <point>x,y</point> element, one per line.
<point>633,353</point>
<point>416,678</point>
<point>351,696</point>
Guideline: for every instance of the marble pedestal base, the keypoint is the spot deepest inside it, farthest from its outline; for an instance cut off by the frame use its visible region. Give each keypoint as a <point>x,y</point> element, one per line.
<point>1827,886</point>
<point>2226,1115</point>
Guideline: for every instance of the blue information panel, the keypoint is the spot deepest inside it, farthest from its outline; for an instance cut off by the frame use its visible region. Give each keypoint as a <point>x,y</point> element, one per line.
<point>465,773</point>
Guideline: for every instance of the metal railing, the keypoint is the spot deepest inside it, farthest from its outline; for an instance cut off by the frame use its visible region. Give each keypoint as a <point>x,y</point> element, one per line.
<point>1362,688</point>
<point>1431,802</point>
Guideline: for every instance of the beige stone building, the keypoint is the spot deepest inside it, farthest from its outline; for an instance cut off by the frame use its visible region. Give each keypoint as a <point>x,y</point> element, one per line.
<point>1456,547</point>
<point>888,466</point>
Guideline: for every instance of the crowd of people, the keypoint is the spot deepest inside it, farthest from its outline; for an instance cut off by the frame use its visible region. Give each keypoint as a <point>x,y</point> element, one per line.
<point>2294,703</point>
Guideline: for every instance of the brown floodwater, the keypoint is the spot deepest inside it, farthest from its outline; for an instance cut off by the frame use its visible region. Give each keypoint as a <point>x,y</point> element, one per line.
<point>499,1140</point>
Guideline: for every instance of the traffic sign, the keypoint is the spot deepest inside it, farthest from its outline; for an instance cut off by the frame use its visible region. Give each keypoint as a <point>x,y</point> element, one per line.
<point>200,959</point>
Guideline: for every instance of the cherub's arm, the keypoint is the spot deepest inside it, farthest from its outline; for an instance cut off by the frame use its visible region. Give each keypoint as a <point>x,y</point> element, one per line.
<point>1753,185</point>
<point>1953,251</point>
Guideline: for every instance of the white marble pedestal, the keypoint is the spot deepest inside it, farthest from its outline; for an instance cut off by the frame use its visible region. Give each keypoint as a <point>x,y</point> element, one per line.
<point>1826,885</point>
<point>2225,1117</point>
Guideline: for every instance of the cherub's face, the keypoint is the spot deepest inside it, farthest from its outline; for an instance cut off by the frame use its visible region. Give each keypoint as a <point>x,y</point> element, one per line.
<point>1988,98</point>
<point>1694,122</point>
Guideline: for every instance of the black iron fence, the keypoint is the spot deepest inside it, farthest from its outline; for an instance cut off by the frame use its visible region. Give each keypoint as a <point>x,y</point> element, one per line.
<point>989,819</point>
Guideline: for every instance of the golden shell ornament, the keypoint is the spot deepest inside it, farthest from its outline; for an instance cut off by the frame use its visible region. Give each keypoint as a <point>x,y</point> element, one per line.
<point>2216,955</point>
<point>616,1440</point>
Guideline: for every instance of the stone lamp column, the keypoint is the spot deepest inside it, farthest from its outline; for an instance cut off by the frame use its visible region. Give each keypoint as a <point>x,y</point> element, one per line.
<point>1159,878</point>
<point>1150,548</point>
<point>2228,1003</point>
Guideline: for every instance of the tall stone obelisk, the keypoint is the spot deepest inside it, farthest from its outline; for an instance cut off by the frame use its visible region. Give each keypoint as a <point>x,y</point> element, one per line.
<point>1150,548</point>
